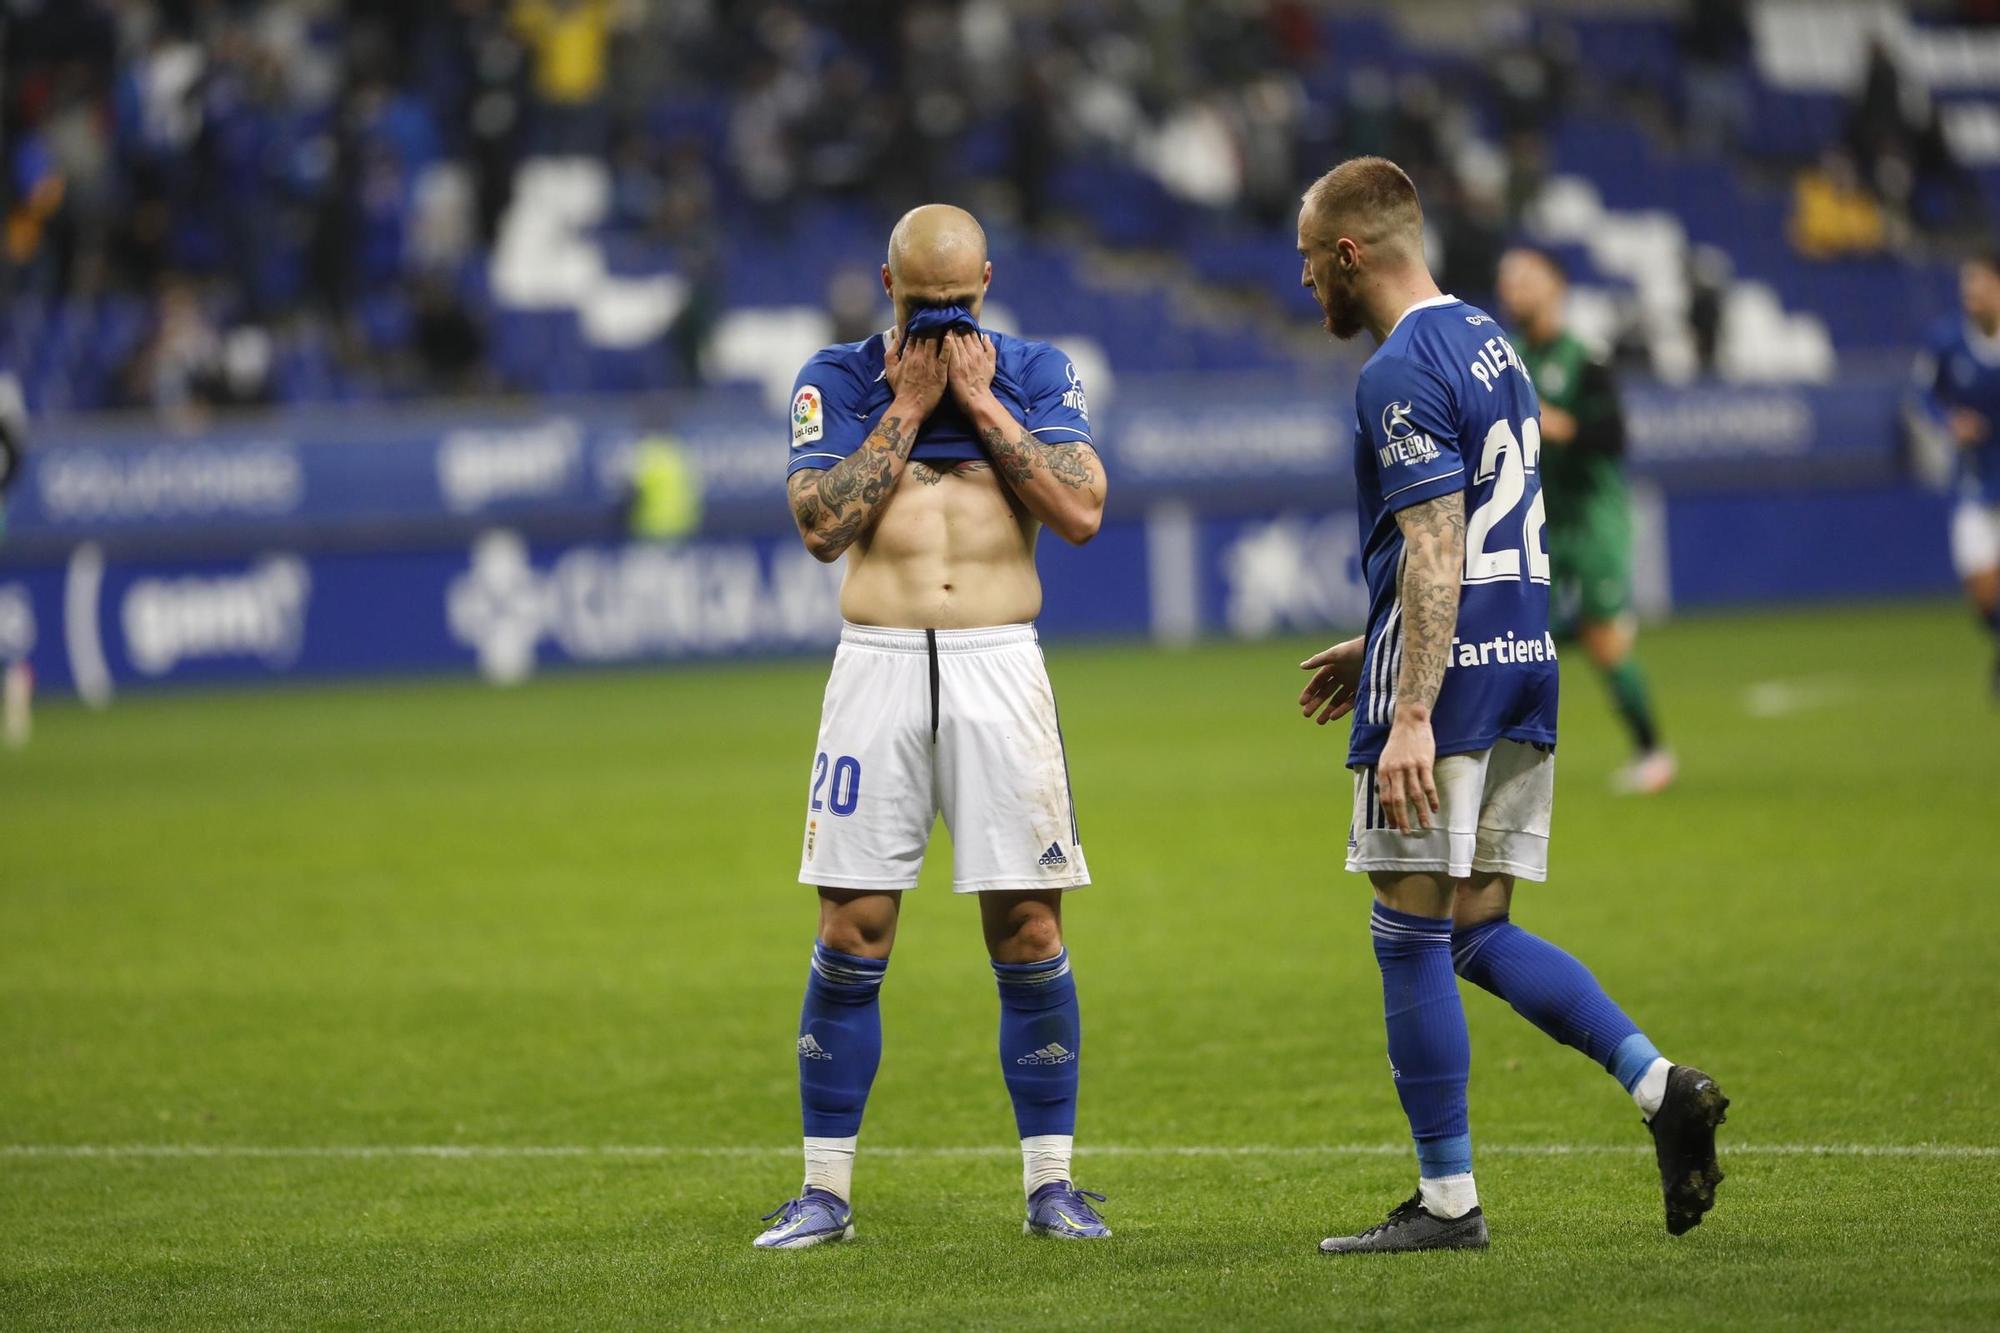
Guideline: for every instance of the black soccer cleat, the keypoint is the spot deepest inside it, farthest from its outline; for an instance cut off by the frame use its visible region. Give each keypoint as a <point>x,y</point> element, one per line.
<point>1684,1138</point>
<point>1410,1227</point>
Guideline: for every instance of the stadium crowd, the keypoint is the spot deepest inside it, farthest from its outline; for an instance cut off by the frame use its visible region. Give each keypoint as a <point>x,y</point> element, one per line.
<point>293,199</point>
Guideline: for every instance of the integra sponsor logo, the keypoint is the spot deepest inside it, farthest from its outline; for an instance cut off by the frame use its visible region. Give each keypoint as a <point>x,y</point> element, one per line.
<point>1506,650</point>
<point>1406,444</point>
<point>477,467</point>
<point>81,484</point>
<point>260,613</point>
<point>1073,397</point>
<point>627,603</point>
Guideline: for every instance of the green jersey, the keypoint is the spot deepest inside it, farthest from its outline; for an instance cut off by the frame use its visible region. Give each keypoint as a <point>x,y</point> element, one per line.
<point>1583,479</point>
<point>1583,483</point>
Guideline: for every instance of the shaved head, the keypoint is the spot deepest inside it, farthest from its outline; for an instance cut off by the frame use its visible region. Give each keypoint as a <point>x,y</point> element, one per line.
<point>937,256</point>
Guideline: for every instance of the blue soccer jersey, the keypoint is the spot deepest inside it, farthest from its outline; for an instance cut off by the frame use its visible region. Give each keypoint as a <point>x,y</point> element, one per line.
<point>1445,406</point>
<point>1960,368</point>
<point>841,395</point>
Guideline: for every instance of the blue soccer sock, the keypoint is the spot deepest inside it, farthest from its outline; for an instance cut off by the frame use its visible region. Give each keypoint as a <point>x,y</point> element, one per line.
<point>1558,994</point>
<point>1040,1042</point>
<point>1429,1051</point>
<point>840,1046</point>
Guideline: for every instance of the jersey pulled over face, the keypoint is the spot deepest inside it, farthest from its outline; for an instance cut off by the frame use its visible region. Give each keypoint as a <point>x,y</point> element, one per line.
<point>1446,406</point>
<point>1960,368</point>
<point>842,393</point>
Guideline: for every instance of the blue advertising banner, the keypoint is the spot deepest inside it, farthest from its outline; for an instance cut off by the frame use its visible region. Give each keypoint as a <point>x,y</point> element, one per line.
<point>505,606</point>
<point>566,471</point>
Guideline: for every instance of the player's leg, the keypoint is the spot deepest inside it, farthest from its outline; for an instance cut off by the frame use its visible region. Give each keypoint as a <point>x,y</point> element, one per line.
<point>1041,1046</point>
<point>1430,1054</point>
<point>1607,629</point>
<point>1004,788</point>
<point>1975,554</point>
<point>840,1029</point>
<point>839,1050</point>
<point>1559,995</point>
<point>869,812</point>
<point>1550,988</point>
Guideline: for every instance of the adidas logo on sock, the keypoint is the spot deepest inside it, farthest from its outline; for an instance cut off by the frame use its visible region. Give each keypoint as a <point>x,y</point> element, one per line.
<point>809,1049</point>
<point>1053,858</point>
<point>1052,1054</point>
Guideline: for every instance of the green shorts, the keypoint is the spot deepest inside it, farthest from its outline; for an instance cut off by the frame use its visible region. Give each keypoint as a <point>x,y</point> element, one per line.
<point>1590,567</point>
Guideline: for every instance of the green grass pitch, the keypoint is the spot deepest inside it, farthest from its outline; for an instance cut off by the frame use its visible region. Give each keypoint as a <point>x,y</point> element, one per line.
<point>556,927</point>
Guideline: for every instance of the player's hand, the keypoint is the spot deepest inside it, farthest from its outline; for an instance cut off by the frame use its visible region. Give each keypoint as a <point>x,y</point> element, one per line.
<point>972,364</point>
<point>1969,427</point>
<point>1336,676</point>
<point>1558,426</point>
<point>917,370</point>
<point>1405,784</point>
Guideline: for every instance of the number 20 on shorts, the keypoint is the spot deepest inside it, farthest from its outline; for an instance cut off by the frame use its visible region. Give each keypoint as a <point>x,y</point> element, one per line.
<point>845,793</point>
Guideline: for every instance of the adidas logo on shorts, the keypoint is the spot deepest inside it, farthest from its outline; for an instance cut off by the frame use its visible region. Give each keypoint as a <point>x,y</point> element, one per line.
<point>1053,858</point>
<point>1052,1054</point>
<point>810,1049</point>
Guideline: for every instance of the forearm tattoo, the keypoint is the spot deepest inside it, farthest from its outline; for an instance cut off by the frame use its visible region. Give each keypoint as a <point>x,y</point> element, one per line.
<point>837,504</point>
<point>1069,464</point>
<point>1433,561</point>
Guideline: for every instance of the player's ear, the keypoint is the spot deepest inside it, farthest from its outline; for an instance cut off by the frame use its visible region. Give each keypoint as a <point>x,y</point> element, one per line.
<point>888,282</point>
<point>986,278</point>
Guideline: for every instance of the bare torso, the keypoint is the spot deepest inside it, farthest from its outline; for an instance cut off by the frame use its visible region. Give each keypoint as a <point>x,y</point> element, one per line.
<point>952,549</point>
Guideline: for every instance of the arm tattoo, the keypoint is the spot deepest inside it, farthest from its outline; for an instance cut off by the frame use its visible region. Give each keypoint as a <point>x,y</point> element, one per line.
<point>1069,464</point>
<point>1433,562</point>
<point>1015,459</point>
<point>838,503</point>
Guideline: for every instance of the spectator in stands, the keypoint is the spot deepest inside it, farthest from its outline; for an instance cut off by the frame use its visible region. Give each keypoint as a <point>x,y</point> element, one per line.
<point>569,41</point>
<point>1714,40</point>
<point>188,364</point>
<point>1709,271</point>
<point>1833,214</point>
<point>451,349</point>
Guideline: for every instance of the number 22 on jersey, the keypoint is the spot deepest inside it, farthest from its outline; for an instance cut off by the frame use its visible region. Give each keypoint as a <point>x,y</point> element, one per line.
<point>1492,554</point>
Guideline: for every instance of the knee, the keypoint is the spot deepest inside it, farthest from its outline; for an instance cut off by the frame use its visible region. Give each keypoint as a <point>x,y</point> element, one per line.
<point>1471,914</point>
<point>1027,937</point>
<point>852,929</point>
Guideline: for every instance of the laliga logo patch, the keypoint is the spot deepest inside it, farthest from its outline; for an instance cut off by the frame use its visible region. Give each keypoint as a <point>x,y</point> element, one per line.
<point>808,423</point>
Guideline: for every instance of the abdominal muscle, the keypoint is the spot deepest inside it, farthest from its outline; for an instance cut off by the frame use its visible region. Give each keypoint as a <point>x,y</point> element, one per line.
<point>952,549</point>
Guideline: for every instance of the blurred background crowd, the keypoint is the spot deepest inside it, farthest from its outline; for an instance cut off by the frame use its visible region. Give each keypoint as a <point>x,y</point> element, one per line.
<point>222,202</point>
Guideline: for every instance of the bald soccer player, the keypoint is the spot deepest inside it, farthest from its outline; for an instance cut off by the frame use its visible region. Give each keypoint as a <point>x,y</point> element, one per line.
<point>1453,693</point>
<point>930,456</point>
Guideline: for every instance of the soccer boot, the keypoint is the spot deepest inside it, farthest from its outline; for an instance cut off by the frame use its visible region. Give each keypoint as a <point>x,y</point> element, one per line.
<point>1648,775</point>
<point>1684,1138</point>
<point>1062,1210</point>
<point>813,1218</point>
<point>1410,1227</point>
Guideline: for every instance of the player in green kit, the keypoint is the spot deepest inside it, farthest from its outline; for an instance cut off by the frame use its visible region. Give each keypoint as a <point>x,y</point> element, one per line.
<point>1589,511</point>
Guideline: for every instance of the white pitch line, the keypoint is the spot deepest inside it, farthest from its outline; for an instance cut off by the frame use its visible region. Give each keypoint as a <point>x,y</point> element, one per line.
<point>613,1151</point>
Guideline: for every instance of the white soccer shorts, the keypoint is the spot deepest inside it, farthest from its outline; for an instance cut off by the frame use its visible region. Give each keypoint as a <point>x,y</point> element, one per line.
<point>958,722</point>
<point>1493,816</point>
<point>1975,538</point>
